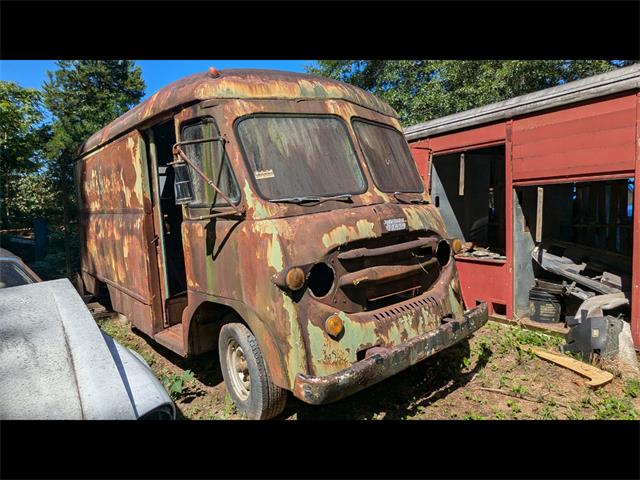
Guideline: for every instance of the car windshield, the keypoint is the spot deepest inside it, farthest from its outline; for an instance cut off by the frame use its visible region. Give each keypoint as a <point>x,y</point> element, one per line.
<point>293,156</point>
<point>388,158</point>
<point>11,275</point>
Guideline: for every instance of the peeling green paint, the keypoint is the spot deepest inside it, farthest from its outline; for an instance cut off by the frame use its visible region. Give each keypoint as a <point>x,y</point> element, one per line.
<point>275,257</point>
<point>344,234</point>
<point>296,355</point>
<point>259,210</point>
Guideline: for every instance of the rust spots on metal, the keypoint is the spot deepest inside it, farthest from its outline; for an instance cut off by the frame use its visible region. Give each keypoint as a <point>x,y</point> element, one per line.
<point>236,83</point>
<point>384,284</point>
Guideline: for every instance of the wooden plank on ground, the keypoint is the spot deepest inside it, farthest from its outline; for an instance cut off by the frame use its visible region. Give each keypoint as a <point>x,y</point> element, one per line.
<point>597,377</point>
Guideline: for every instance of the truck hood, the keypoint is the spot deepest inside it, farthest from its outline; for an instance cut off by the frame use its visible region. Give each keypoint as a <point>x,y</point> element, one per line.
<point>302,239</point>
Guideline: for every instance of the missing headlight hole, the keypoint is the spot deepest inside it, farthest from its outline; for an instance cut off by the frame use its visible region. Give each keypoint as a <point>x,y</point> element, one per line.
<point>443,253</point>
<point>320,279</point>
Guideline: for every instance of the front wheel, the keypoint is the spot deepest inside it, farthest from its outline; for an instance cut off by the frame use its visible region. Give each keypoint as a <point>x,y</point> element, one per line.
<point>246,376</point>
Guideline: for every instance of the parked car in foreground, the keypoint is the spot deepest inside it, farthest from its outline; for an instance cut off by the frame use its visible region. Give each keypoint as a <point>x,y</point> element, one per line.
<point>56,363</point>
<point>13,271</point>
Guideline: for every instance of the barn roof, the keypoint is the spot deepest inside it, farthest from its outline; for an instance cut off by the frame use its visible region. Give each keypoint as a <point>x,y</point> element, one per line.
<point>619,80</point>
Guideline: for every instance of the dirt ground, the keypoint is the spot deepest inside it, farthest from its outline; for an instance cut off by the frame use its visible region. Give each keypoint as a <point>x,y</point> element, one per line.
<point>487,377</point>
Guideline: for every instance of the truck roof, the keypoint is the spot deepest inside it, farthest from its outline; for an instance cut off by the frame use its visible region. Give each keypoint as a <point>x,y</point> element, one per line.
<point>235,83</point>
<point>619,80</point>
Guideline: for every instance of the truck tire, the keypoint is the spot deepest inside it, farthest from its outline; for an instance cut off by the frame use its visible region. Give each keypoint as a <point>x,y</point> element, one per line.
<point>246,376</point>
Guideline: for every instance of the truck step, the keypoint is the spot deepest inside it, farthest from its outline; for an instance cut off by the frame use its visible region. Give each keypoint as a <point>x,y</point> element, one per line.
<point>172,338</point>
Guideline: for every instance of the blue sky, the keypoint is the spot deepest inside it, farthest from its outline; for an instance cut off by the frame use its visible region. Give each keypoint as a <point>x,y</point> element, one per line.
<point>156,73</point>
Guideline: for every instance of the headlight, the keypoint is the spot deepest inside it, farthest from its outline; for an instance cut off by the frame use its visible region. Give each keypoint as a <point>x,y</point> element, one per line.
<point>164,412</point>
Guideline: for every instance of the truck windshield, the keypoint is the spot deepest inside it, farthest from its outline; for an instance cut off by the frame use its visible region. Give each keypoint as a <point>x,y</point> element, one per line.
<point>388,158</point>
<point>294,156</point>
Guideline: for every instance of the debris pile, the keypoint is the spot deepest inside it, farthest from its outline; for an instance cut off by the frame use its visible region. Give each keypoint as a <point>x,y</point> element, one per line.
<point>470,249</point>
<point>589,290</point>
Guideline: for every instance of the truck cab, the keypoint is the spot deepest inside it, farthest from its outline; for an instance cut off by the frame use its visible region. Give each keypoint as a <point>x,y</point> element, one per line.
<point>278,218</point>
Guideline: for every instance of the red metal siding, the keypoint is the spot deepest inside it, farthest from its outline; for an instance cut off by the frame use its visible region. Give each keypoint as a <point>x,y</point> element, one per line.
<point>484,282</point>
<point>477,137</point>
<point>420,153</point>
<point>635,279</point>
<point>584,140</point>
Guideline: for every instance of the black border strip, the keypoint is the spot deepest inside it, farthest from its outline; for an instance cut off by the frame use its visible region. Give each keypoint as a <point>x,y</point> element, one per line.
<point>320,29</point>
<point>321,449</point>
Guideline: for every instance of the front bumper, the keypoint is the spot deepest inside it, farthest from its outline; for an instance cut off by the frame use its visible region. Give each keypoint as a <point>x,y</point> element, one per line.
<point>319,390</point>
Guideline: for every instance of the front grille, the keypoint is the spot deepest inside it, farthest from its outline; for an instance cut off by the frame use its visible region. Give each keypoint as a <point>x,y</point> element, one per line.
<point>379,273</point>
<point>394,312</point>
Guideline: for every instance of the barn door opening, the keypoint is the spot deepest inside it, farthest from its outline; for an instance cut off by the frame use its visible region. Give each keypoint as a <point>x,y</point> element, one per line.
<point>572,241</point>
<point>469,190</point>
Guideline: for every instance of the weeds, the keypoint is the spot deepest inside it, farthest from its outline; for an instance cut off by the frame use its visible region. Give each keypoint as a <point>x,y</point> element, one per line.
<point>176,384</point>
<point>228,408</point>
<point>517,388</point>
<point>547,413</point>
<point>504,380</point>
<point>616,409</point>
<point>632,388</point>
<point>515,408</point>
<point>466,361</point>
<point>574,414</point>
<point>513,337</point>
<point>473,416</point>
<point>148,358</point>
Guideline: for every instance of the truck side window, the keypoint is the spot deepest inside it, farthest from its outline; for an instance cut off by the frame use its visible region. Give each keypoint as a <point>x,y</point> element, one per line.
<point>211,159</point>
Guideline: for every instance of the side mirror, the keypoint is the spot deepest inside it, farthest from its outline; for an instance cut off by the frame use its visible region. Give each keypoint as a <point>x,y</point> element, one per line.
<point>182,183</point>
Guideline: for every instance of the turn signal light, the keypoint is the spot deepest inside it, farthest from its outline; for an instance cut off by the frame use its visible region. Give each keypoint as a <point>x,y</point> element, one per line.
<point>295,278</point>
<point>456,245</point>
<point>333,325</point>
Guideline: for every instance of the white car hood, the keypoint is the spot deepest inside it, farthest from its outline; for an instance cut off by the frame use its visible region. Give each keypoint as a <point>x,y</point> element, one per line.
<point>56,363</point>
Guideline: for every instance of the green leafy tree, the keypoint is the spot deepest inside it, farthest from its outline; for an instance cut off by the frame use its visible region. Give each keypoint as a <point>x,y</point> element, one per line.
<point>83,96</point>
<point>35,196</point>
<point>420,90</point>
<point>23,135</point>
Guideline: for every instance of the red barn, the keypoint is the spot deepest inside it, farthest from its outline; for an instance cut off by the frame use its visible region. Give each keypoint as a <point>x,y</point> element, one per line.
<point>553,170</point>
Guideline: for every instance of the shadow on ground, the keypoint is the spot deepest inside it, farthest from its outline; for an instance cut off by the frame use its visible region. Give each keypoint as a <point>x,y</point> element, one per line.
<point>205,367</point>
<point>398,397</point>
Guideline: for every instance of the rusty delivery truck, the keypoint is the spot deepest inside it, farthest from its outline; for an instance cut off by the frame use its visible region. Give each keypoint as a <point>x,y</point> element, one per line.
<point>278,218</point>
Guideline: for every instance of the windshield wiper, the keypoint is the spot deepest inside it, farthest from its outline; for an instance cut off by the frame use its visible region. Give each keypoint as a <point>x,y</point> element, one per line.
<point>315,200</point>
<point>411,200</point>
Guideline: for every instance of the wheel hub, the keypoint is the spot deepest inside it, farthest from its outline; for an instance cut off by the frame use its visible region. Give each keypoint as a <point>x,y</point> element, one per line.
<point>238,370</point>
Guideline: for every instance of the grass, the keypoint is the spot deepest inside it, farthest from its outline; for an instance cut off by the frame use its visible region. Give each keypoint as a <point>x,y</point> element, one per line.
<point>547,413</point>
<point>448,385</point>
<point>473,416</point>
<point>632,388</point>
<point>616,408</point>
<point>515,408</point>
